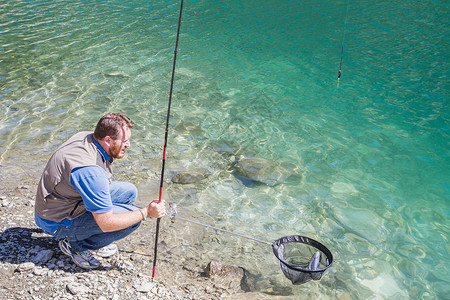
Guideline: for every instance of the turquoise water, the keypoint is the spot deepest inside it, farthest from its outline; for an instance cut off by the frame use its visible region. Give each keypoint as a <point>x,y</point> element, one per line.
<point>258,78</point>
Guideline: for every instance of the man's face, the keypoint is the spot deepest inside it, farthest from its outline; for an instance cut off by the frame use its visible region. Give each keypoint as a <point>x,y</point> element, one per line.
<point>117,149</point>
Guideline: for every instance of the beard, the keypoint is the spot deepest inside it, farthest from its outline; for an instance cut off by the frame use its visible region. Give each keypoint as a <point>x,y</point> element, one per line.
<point>117,151</point>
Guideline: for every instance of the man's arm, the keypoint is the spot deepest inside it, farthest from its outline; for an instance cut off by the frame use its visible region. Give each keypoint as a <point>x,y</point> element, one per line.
<point>93,185</point>
<point>112,222</point>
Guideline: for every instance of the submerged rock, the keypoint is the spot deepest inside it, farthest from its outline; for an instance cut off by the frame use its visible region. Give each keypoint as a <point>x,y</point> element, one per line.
<point>190,128</point>
<point>228,276</point>
<point>343,188</point>
<point>228,148</point>
<point>263,170</point>
<point>189,176</point>
<point>116,74</point>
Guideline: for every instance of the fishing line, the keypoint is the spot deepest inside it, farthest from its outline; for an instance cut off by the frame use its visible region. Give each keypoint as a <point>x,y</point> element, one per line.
<point>342,46</point>
<point>311,268</point>
<point>219,229</point>
<point>165,137</point>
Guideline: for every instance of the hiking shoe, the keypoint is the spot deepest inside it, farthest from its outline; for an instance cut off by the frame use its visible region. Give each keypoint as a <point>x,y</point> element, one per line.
<point>83,259</point>
<point>106,251</point>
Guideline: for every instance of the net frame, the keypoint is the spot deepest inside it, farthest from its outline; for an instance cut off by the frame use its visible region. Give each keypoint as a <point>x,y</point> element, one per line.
<point>298,274</point>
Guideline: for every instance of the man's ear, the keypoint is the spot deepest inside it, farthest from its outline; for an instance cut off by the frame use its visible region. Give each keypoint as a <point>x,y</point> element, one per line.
<point>108,141</point>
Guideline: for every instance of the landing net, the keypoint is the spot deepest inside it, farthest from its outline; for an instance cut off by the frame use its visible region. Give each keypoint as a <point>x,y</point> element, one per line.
<point>302,258</point>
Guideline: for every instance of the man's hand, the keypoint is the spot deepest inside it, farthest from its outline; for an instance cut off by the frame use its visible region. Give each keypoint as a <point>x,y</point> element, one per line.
<point>156,210</point>
<point>109,222</point>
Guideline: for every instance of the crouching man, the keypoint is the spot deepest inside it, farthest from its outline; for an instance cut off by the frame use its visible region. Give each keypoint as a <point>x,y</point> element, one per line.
<point>76,200</point>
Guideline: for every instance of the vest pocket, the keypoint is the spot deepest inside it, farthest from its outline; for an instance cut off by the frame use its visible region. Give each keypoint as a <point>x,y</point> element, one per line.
<point>75,208</point>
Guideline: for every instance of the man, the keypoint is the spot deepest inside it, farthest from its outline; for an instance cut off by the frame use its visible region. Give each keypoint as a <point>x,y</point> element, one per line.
<point>76,200</point>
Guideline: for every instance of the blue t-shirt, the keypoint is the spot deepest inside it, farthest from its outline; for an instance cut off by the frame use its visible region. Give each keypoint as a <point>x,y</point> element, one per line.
<point>92,182</point>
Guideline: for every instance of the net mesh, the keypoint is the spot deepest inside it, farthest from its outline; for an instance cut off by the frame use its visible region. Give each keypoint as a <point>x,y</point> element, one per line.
<point>301,258</point>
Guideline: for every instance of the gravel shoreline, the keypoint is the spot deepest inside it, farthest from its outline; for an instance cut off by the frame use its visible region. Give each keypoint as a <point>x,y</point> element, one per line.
<point>33,267</point>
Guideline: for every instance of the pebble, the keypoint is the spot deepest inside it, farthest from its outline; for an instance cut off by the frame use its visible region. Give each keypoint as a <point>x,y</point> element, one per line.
<point>43,256</point>
<point>77,288</point>
<point>144,286</point>
<point>39,271</point>
<point>25,267</point>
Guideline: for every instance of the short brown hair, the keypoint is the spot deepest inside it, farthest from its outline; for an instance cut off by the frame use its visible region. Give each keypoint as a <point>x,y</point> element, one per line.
<point>111,124</point>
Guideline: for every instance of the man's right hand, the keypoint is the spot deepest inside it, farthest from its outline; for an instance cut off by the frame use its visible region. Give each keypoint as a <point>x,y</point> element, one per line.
<point>156,210</point>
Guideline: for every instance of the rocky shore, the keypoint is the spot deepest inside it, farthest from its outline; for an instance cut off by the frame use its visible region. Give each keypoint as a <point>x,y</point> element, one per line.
<point>33,267</point>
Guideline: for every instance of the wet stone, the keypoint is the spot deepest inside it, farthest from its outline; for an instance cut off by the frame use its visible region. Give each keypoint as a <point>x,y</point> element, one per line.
<point>264,171</point>
<point>189,177</point>
<point>229,277</point>
<point>43,256</point>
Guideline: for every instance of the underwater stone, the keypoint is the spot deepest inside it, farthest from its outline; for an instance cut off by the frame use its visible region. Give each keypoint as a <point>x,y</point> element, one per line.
<point>225,275</point>
<point>263,170</point>
<point>190,128</point>
<point>187,176</point>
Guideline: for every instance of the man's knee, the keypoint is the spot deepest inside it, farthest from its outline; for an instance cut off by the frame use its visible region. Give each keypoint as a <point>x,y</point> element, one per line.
<point>132,190</point>
<point>123,192</point>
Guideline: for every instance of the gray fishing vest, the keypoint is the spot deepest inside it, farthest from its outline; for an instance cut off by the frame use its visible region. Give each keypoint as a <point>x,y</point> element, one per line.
<point>56,198</point>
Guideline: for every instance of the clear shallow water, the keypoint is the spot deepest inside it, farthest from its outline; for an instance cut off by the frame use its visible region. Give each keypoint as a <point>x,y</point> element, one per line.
<point>258,79</point>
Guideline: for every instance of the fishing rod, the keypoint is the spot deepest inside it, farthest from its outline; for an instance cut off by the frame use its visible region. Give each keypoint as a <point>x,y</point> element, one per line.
<point>340,65</point>
<point>342,47</point>
<point>166,136</point>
